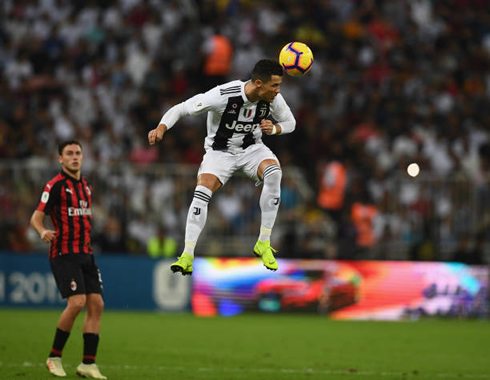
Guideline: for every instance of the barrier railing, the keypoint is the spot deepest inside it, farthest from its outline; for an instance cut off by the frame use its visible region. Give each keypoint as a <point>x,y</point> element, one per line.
<point>422,218</point>
<point>132,202</point>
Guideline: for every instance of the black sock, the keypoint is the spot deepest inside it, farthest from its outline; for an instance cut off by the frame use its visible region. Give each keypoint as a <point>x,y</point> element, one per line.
<point>90,343</point>
<point>60,339</point>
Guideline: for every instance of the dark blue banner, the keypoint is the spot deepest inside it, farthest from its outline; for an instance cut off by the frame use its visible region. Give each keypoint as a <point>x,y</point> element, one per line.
<point>129,283</point>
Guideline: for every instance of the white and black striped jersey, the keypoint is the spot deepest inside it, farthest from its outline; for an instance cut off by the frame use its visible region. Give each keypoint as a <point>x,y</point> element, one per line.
<point>233,122</point>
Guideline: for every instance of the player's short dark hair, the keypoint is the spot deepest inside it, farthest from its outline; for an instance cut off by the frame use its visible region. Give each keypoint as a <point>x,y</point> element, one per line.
<point>63,144</point>
<point>265,68</point>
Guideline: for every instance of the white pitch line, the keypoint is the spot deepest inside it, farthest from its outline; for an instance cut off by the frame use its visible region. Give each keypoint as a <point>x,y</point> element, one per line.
<point>267,370</point>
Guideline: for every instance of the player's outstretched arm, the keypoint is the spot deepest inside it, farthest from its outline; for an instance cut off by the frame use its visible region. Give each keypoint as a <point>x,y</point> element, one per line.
<point>156,134</point>
<point>37,223</point>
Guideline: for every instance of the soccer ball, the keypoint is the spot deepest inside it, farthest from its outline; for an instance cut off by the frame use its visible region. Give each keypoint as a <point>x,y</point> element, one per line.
<point>296,58</point>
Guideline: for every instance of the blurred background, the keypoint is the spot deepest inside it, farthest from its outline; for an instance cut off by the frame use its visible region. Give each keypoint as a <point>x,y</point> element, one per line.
<point>393,83</point>
<point>385,203</point>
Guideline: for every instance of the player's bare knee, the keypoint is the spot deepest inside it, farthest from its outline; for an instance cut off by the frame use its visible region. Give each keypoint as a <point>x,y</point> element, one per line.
<point>209,181</point>
<point>99,306</point>
<point>76,304</point>
<point>95,307</point>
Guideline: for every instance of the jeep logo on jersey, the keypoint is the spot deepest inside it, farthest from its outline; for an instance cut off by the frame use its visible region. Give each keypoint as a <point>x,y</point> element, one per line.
<point>239,127</point>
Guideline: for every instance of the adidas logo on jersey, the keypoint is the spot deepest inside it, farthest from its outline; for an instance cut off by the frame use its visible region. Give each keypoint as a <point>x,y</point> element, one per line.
<point>239,127</point>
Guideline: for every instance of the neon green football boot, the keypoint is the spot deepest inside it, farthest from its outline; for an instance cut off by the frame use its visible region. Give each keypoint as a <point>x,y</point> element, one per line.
<point>183,264</point>
<point>264,250</point>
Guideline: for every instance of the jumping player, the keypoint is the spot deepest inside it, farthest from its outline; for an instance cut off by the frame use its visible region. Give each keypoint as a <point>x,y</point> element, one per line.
<point>238,113</point>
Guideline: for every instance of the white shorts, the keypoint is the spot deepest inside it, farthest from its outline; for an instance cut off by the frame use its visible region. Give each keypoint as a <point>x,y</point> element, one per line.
<point>223,164</point>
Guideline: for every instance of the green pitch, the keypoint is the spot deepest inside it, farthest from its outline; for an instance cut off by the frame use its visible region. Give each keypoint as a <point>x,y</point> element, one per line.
<point>294,347</point>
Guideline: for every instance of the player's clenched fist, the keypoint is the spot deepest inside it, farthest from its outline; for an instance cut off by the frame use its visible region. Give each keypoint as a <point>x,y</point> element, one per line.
<point>156,134</point>
<point>268,127</point>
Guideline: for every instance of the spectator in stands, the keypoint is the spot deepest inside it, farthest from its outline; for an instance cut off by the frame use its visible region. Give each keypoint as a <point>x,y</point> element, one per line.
<point>332,185</point>
<point>424,249</point>
<point>363,214</point>
<point>218,52</point>
<point>470,255</point>
<point>111,239</point>
<point>161,245</point>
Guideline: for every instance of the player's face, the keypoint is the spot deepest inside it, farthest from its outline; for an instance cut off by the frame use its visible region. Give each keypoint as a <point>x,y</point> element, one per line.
<point>269,90</point>
<point>71,158</point>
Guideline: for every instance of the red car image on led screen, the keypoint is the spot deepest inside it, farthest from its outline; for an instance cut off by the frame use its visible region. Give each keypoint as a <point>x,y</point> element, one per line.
<point>361,290</point>
<point>306,290</point>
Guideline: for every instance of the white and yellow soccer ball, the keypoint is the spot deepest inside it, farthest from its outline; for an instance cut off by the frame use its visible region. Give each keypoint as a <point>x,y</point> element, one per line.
<point>296,58</point>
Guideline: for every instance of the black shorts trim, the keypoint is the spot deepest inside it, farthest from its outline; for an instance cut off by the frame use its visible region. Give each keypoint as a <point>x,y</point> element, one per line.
<point>76,274</point>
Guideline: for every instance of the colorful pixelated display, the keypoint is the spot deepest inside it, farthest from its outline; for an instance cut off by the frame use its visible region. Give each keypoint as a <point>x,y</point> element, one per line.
<point>388,290</point>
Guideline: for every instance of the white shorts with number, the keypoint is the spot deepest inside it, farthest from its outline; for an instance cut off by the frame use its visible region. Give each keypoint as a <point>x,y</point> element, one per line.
<point>224,164</point>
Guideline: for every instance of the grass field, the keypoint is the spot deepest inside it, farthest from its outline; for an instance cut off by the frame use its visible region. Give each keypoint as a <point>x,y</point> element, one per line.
<point>181,346</point>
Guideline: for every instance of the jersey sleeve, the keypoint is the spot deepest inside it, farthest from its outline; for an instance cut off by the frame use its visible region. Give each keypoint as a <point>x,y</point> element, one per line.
<point>49,197</point>
<point>281,112</point>
<point>198,104</point>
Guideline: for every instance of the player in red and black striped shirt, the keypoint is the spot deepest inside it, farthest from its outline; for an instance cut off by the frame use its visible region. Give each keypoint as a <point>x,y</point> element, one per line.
<point>67,199</point>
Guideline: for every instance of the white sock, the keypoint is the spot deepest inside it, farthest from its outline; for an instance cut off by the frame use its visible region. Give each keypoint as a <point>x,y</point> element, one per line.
<point>269,200</point>
<point>196,217</point>
<point>265,233</point>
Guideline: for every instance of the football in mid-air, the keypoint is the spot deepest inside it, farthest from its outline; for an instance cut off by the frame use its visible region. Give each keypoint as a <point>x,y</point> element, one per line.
<point>296,58</point>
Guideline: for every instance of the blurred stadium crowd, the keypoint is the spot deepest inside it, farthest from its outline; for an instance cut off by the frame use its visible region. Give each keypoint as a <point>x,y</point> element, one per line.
<point>393,82</point>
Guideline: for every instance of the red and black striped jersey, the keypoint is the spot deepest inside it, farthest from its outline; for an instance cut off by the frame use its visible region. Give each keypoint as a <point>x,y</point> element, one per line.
<point>69,204</point>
